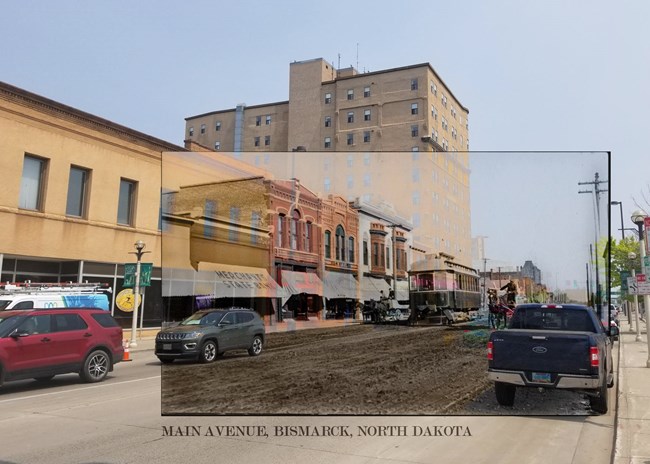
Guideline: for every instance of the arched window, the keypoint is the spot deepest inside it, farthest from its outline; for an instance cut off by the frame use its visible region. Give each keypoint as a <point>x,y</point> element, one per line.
<point>281,218</point>
<point>295,217</point>
<point>328,241</point>
<point>340,243</point>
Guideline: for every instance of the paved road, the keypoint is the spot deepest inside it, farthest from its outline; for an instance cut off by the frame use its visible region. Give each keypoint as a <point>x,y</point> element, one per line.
<point>118,421</point>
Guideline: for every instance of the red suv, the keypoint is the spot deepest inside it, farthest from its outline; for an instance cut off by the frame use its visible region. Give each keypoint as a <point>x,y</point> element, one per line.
<point>42,343</point>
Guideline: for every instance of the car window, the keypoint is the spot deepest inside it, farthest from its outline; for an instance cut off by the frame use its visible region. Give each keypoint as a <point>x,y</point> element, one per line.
<point>4,303</point>
<point>24,305</point>
<point>105,320</point>
<point>36,324</point>
<point>228,319</point>
<point>211,318</point>
<point>68,322</point>
<point>243,318</point>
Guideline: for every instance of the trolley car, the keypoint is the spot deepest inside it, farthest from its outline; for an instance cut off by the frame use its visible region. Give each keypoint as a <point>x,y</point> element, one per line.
<point>440,287</point>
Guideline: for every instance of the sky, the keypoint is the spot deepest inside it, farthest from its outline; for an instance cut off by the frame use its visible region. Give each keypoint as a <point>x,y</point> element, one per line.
<point>543,76</point>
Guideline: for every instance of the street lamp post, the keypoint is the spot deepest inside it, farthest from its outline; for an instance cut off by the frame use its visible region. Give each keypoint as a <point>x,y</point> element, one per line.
<point>632,256</point>
<point>139,247</point>
<point>638,217</point>
<point>620,204</point>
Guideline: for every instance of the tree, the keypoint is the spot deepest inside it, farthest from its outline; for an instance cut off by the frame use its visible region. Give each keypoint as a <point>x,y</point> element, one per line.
<point>619,251</point>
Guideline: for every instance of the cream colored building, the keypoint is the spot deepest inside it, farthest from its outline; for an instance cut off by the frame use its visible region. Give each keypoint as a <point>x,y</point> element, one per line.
<point>397,135</point>
<point>77,192</point>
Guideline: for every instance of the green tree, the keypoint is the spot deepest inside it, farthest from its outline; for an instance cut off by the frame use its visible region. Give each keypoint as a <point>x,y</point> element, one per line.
<point>620,261</point>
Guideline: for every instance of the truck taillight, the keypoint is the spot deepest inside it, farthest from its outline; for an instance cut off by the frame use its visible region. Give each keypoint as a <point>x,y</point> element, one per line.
<point>490,353</point>
<point>593,355</point>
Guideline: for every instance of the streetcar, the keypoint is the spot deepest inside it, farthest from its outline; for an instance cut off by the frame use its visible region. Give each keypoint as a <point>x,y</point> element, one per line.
<point>439,288</point>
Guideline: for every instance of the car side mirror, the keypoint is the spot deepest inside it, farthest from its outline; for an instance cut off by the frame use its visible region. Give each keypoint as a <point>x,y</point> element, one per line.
<point>613,331</point>
<point>18,333</point>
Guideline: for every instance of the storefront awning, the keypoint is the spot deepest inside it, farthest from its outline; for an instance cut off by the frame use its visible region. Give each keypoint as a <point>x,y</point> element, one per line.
<point>340,285</point>
<point>295,283</point>
<point>221,281</point>
<point>371,288</point>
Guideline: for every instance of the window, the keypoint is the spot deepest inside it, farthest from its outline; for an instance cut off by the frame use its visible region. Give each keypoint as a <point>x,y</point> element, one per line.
<point>126,202</point>
<point>366,115</point>
<point>366,136</point>
<point>365,252</point>
<point>203,128</point>
<point>32,184</point>
<point>351,249</point>
<point>267,140</point>
<point>387,257</point>
<point>415,149</point>
<point>328,249</point>
<point>375,254</point>
<point>217,126</point>
<point>268,119</point>
<point>328,98</point>
<point>416,219</point>
<point>327,184</point>
<point>328,142</point>
<point>257,141</point>
<point>366,91</point>
<point>350,117</point>
<point>77,192</point>
<point>444,101</point>
<point>340,243</point>
<point>266,158</point>
<point>414,84</point>
<point>366,159</point>
<point>258,120</point>
<point>434,112</point>
<point>256,220</point>
<point>217,145</point>
<point>414,108</point>
<point>350,139</point>
<point>415,155</point>
<point>414,130</point>
<point>416,198</point>
<point>328,121</point>
<point>233,232</point>
<point>281,218</point>
<point>350,181</point>
<point>307,246</point>
<point>434,89</point>
<point>350,161</point>
<point>366,179</point>
<point>293,229</point>
<point>68,322</point>
<point>190,131</point>
<point>415,175</point>
<point>351,94</point>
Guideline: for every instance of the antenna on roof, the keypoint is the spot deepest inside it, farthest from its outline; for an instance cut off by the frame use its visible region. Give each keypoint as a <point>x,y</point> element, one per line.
<point>357,55</point>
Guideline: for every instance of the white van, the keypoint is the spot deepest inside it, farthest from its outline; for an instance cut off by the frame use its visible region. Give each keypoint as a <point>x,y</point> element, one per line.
<point>50,296</point>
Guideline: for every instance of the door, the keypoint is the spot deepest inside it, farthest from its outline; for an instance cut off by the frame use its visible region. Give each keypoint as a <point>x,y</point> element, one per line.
<point>30,351</point>
<point>228,332</point>
<point>70,338</point>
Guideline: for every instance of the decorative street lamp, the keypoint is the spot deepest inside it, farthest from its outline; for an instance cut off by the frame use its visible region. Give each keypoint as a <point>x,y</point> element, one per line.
<point>620,204</point>
<point>139,247</point>
<point>638,217</point>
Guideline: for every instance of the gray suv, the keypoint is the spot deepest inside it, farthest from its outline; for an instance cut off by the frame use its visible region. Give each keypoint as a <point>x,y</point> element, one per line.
<point>209,333</point>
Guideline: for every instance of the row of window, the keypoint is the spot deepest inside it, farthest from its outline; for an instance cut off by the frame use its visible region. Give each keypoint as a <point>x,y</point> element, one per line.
<point>379,257</point>
<point>366,92</point>
<point>34,179</point>
<point>217,125</point>
<point>342,252</point>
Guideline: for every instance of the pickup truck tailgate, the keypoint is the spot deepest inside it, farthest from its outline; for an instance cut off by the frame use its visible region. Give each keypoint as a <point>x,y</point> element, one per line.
<point>559,352</point>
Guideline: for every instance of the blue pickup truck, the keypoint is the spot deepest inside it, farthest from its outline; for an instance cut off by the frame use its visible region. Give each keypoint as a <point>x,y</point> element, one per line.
<point>552,346</point>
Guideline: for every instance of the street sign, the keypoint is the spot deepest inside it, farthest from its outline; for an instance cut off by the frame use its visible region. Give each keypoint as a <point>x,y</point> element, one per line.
<point>624,276</point>
<point>145,275</point>
<point>646,264</point>
<point>640,278</point>
<point>638,286</point>
<point>632,285</point>
<point>125,300</point>
<point>646,232</point>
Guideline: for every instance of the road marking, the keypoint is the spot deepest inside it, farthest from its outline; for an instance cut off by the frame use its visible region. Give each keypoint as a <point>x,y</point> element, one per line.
<point>77,389</point>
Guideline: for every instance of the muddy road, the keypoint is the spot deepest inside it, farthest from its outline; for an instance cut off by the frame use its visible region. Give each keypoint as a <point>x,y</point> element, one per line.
<point>357,369</point>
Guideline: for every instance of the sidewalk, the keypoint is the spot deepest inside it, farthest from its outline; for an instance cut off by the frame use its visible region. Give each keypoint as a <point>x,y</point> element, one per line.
<point>147,341</point>
<point>633,414</point>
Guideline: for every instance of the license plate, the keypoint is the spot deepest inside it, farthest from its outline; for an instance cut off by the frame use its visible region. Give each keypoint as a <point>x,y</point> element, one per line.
<point>167,346</point>
<point>541,377</point>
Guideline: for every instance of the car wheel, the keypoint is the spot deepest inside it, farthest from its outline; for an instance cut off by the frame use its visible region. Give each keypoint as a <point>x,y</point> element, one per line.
<point>256,347</point>
<point>599,403</point>
<point>505,393</point>
<point>44,378</point>
<point>208,352</point>
<point>166,360</point>
<point>95,367</point>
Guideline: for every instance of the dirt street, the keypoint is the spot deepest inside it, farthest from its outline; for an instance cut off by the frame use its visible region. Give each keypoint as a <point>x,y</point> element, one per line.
<point>358,369</point>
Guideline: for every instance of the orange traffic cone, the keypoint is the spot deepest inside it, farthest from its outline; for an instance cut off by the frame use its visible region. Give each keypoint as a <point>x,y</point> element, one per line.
<point>126,352</point>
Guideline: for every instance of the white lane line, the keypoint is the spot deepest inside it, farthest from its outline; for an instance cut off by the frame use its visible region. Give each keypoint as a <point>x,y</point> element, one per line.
<point>77,389</point>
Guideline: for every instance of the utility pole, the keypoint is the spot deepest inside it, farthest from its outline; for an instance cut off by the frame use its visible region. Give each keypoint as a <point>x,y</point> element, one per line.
<point>596,191</point>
